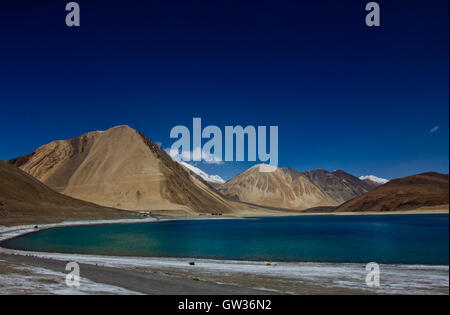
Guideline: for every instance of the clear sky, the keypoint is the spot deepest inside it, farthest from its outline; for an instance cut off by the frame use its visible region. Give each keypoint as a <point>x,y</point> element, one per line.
<point>344,96</point>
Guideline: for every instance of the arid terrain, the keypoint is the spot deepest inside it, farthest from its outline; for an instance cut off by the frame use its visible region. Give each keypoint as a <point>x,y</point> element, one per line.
<point>91,177</point>
<point>423,191</point>
<point>25,200</point>
<point>291,189</point>
<point>274,189</point>
<point>121,168</point>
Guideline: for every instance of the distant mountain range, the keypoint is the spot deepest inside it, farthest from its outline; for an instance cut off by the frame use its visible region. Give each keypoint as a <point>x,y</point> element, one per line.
<point>291,189</point>
<point>283,188</point>
<point>121,168</point>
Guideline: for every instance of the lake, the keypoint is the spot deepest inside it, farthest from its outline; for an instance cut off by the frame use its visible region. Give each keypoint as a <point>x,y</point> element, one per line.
<point>390,239</point>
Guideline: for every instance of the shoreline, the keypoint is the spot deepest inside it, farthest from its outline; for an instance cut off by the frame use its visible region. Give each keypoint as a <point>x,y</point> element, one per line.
<point>200,217</point>
<point>242,277</point>
<point>235,277</point>
<point>114,279</point>
<point>11,232</point>
<point>400,212</point>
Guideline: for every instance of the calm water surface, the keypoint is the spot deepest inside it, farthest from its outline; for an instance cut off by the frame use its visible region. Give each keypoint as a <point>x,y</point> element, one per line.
<point>406,239</point>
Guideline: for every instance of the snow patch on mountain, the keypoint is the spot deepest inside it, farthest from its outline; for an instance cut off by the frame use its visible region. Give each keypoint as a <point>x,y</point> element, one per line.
<point>202,174</point>
<point>375,179</point>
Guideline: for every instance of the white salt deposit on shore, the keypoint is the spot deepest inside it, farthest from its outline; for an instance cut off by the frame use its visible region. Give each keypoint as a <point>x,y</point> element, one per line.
<point>32,280</point>
<point>395,279</point>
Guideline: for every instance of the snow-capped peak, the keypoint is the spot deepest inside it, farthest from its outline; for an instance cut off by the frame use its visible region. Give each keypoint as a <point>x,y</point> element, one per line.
<point>205,176</point>
<point>375,179</point>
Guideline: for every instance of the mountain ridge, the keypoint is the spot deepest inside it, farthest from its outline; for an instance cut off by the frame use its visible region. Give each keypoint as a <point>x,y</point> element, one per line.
<point>279,188</point>
<point>430,189</point>
<point>120,167</point>
<point>292,189</point>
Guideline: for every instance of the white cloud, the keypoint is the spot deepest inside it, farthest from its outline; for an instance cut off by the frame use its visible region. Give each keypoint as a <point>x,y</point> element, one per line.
<point>434,129</point>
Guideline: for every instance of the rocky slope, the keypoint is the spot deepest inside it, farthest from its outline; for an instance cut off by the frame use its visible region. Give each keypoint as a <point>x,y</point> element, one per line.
<point>281,188</point>
<point>425,190</point>
<point>121,168</point>
<point>338,186</point>
<point>290,189</point>
<point>25,200</point>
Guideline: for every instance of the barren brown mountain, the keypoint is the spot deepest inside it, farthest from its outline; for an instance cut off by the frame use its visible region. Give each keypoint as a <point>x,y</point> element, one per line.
<point>290,189</point>
<point>425,190</point>
<point>279,188</point>
<point>121,168</point>
<point>338,186</point>
<point>25,200</point>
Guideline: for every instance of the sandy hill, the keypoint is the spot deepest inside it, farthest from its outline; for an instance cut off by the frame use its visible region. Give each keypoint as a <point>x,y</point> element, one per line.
<point>121,168</point>
<point>25,200</point>
<point>280,188</point>
<point>291,189</point>
<point>408,193</point>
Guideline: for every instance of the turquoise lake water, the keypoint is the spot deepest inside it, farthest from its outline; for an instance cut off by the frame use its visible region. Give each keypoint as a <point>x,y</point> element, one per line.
<point>396,239</point>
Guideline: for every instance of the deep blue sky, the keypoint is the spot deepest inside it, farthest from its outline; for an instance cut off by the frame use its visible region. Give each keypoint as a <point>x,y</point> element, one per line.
<point>344,96</point>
